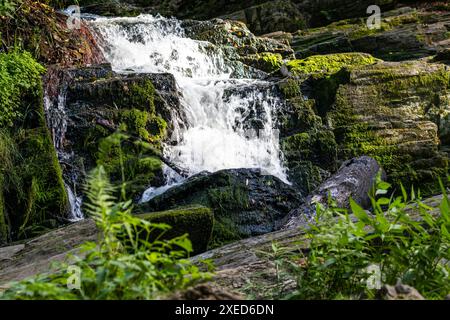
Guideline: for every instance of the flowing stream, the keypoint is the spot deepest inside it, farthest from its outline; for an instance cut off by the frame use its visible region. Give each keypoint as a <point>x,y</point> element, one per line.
<point>57,122</point>
<point>217,135</point>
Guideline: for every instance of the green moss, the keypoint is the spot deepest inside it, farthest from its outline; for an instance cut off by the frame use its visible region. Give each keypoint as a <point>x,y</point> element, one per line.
<point>226,202</point>
<point>20,75</point>
<point>197,221</point>
<point>290,88</point>
<point>329,64</point>
<point>32,190</point>
<point>273,61</point>
<point>227,199</point>
<point>224,232</point>
<point>129,162</point>
<point>4,229</point>
<point>157,127</point>
<point>143,96</point>
<point>309,156</point>
<point>46,195</point>
<point>364,31</point>
<point>356,136</point>
<point>136,121</point>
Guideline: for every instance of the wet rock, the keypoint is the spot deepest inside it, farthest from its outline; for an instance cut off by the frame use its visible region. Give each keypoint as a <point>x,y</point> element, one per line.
<point>245,202</point>
<point>397,113</point>
<point>86,105</point>
<point>399,292</point>
<point>239,44</point>
<point>354,180</point>
<point>205,291</point>
<point>405,33</point>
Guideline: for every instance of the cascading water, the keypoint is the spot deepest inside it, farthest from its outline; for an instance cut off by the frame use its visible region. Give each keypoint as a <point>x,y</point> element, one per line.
<point>57,123</point>
<point>218,108</point>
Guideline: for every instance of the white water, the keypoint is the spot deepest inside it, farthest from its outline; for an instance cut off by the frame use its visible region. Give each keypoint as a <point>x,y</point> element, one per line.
<point>215,136</point>
<point>57,123</point>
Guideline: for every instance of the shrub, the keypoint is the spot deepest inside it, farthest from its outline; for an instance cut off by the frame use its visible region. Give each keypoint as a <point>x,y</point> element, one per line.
<point>125,264</point>
<point>20,75</point>
<point>7,7</point>
<point>413,250</point>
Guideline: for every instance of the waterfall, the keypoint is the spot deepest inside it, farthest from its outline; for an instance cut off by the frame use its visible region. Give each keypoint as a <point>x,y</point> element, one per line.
<point>220,109</point>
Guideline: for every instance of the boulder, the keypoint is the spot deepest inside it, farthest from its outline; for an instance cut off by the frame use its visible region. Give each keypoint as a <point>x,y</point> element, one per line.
<point>399,292</point>
<point>404,34</point>
<point>349,105</point>
<point>396,113</point>
<point>196,221</point>
<point>86,105</point>
<point>245,202</point>
<point>354,180</point>
<point>239,44</point>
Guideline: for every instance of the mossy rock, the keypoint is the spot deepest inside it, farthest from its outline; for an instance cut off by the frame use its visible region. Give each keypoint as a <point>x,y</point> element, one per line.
<point>330,63</point>
<point>245,202</point>
<point>139,106</point>
<point>404,34</point>
<point>394,113</point>
<point>310,156</point>
<point>197,221</point>
<point>265,61</point>
<point>33,196</point>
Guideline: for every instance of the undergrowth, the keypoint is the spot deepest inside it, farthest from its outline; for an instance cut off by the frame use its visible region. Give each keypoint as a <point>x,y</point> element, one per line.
<point>403,238</point>
<point>124,264</point>
<point>19,74</point>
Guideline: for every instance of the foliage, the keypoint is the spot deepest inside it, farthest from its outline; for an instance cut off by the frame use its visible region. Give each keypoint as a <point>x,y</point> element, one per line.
<point>124,264</point>
<point>20,74</point>
<point>32,190</point>
<point>133,164</point>
<point>414,250</point>
<point>39,29</point>
<point>7,7</point>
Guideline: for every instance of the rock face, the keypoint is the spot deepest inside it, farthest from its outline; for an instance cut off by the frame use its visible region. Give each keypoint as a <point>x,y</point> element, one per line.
<point>86,105</point>
<point>396,112</point>
<point>245,202</point>
<point>261,16</point>
<point>239,44</point>
<point>354,179</point>
<point>405,33</point>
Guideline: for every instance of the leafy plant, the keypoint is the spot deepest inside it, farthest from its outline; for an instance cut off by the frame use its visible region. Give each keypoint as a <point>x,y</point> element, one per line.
<point>7,7</point>
<point>124,264</point>
<point>20,75</point>
<point>406,239</point>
